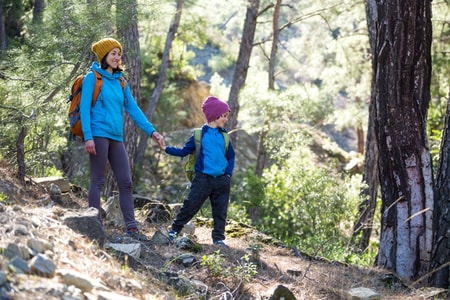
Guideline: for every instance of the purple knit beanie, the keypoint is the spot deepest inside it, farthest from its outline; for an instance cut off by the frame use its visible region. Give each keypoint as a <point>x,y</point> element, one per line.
<point>213,108</point>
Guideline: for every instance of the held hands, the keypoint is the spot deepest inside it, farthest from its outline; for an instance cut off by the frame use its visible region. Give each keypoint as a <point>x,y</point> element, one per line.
<point>159,139</point>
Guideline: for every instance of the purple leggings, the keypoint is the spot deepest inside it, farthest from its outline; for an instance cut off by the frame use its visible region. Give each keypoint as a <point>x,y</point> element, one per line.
<point>115,153</point>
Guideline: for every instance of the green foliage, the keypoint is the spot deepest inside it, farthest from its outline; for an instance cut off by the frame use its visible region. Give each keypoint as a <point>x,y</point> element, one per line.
<point>3,197</point>
<point>215,263</point>
<point>305,206</point>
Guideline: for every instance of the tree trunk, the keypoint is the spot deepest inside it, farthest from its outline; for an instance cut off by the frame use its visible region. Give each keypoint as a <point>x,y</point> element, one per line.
<point>2,28</point>
<point>262,152</point>
<point>402,94</point>
<point>21,170</point>
<point>273,52</point>
<point>240,73</point>
<point>157,92</point>
<point>441,253</point>
<point>129,38</point>
<point>38,10</point>
<point>363,225</point>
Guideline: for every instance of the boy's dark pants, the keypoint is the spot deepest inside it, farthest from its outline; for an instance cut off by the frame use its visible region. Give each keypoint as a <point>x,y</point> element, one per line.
<point>202,187</point>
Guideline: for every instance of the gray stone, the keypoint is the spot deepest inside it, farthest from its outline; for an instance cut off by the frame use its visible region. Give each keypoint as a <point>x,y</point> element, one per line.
<point>113,212</point>
<point>188,244</point>
<point>62,182</point>
<point>41,265</point>
<point>112,296</point>
<point>76,279</point>
<point>186,259</point>
<point>13,250</point>
<point>55,192</point>
<point>159,238</point>
<point>2,278</point>
<point>40,246</point>
<point>20,229</point>
<point>282,293</point>
<point>86,222</point>
<point>188,229</point>
<point>19,265</point>
<point>362,293</point>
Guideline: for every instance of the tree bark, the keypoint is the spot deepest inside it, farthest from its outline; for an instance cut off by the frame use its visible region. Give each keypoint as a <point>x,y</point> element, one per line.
<point>242,64</point>
<point>402,54</point>
<point>2,28</point>
<point>128,35</point>
<point>363,226</point>
<point>157,92</point>
<point>362,229</point>
<point>21,170</point>
<point>273,52</point>
<point>262,151</point>
<point>441,252</point>
<point>38,10</point>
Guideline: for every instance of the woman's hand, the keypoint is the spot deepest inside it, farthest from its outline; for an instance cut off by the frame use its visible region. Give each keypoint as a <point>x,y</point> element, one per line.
<point>90,147</point>
<point>159,139</point>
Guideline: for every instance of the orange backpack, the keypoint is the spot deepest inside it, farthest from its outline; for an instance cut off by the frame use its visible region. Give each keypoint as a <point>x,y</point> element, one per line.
<point>75,98</point>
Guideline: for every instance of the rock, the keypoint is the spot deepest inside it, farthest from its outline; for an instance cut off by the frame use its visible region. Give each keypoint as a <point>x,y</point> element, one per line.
<point>40,246</point>
<point>282,293</point>
<point>133,249</point>
<point>71,277</point>
<point>13,250</point>
<point>2,278</point>
<point>20,229</point>
<point>362,293</point>
<point>41,265</point>
<point>187,260</point>
<point>188,244</point>
<point>19,266</point>
<point>113,213</point>
<point>62,183</point>
<point>55,193</point>
<point>160,238</point>
<point>188,229</point>
<point>112,296</point>
<point>86,222</point>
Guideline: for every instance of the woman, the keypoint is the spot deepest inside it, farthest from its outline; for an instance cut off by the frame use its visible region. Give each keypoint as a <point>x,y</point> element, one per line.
<point>102,126</point>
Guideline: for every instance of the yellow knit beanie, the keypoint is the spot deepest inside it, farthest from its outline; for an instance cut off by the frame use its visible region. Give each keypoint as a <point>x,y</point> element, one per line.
<point>102,47</point>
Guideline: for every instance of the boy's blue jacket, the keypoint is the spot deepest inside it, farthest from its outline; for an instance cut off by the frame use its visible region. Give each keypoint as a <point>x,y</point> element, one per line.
<point>105,118</point>
<point>212,170</point>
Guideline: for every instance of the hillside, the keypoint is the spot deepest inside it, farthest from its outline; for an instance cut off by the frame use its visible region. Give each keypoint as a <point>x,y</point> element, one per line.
<point>57,262</point>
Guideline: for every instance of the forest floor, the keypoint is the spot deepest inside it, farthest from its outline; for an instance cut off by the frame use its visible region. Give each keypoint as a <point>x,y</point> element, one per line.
<point>306,277</point>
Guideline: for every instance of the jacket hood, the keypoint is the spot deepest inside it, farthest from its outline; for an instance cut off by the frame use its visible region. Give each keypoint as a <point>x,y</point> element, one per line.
<point>96,67</point>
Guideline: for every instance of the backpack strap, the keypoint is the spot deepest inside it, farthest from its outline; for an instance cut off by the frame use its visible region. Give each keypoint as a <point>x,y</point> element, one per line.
<point>226,138</point>
<point>123,84</point>
<point>97,87</point>
<point>198,142</point>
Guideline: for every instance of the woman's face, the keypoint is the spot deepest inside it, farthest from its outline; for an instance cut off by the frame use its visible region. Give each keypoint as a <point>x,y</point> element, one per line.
<point>113,58</point>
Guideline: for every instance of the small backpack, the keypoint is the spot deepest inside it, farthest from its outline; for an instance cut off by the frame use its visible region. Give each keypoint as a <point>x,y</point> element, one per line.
<point>75,99</point>
<point>189,166</point>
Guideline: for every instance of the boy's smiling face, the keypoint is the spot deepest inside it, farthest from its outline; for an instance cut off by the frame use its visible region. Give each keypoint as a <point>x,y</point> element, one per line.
<point>222,120</point>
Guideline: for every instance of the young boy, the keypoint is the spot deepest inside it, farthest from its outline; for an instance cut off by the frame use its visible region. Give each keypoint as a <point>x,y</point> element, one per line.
<point>213,170</point>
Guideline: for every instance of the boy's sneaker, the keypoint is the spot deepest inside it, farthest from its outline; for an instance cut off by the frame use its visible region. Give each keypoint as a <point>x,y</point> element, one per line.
<point>220,243</point>
<point>172,236</point>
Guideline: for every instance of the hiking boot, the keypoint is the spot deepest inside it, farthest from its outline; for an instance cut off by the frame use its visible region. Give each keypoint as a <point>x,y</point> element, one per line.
<point>220,243</point>
<point>136,234</point>
<point>172,236</point>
